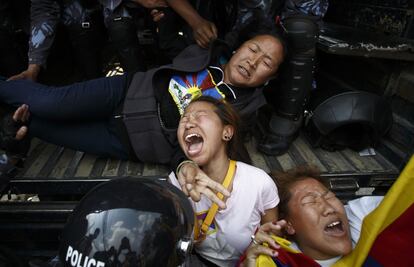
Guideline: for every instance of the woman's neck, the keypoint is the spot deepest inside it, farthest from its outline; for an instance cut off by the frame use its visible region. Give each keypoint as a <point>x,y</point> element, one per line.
<point>217,168</point>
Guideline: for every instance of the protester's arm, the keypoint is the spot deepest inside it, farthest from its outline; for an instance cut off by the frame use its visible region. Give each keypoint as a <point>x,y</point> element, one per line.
<point>44,17</point>
<point>262,237</point>
<point>270,215</point>
<point>204,31</point>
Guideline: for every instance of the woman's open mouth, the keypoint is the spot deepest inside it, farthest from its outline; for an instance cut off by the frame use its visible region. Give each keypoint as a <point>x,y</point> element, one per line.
<point>335,228</point>
<point>194,144</point>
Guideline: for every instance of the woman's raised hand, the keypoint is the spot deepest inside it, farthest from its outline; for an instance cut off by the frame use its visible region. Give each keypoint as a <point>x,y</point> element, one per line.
<point>194,182</point>
<point>263,236</point>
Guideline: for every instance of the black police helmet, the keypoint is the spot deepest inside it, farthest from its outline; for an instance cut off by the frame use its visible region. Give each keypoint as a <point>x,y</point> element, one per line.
<point>347,119</point>
<point>128,222</point>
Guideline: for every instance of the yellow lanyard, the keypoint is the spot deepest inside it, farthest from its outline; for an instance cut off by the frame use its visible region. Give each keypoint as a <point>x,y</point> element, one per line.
<point>200,234</point>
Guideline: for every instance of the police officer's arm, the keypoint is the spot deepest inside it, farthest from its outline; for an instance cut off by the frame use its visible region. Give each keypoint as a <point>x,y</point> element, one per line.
<point>44,17</point>
<point>152,3</point>
<point>204,31</point>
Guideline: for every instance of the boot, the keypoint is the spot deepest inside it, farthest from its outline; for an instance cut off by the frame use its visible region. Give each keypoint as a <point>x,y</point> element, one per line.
<point>296,83</point>
<point>281,134</point>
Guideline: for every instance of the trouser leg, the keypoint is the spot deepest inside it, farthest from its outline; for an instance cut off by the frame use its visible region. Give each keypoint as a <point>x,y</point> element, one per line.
<point>96,137</point>
<point>296,83</point>
<point>78,116</point>
<point>89,100</point>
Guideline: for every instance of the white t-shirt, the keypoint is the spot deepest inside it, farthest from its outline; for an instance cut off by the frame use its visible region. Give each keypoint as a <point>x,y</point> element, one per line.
<point>229,234</point>
<point>356,210</point>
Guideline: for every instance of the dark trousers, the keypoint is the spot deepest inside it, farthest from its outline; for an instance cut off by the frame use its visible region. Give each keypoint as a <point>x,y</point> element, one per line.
<point>79,116</point>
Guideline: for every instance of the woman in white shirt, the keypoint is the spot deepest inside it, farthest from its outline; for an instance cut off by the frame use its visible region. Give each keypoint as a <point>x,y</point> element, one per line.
<point>208,135</point>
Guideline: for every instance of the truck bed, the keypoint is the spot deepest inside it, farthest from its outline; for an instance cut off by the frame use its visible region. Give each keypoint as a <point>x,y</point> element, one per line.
<point>346,169</point>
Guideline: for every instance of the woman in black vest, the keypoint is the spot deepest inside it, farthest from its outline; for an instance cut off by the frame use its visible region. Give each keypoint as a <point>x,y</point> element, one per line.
<point>136,116</point>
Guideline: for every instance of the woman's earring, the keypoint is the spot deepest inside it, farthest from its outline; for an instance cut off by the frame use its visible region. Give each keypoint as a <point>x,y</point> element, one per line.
<point>234,52</point>
<point>227,138</point>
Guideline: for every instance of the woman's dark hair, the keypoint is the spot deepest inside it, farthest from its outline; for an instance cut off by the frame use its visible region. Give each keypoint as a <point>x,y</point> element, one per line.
<point>285,181</point>
<point>229,116</point>
<point>257,24</point>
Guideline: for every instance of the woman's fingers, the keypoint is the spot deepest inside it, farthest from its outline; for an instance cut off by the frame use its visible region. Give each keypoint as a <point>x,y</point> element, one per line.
<point>21,133</point>
<point>262,237</point>
<point>274,227</point>
<point>193,192</point>
<point>212,196</point>
<point>204,180</point>
<point>258,250</point>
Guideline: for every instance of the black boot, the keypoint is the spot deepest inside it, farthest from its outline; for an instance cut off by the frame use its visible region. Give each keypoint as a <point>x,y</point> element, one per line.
<point>296,83</point>
<point>281,134</point>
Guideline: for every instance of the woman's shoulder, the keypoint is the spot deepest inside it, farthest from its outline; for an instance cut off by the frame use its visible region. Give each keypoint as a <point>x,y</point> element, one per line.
<point>249,166</point>
<point>251,170</point>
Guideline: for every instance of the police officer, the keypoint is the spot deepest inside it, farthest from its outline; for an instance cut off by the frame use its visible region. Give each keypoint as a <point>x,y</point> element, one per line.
<point>300,20</point>
<point>81,18</point>
<point>124,19</point>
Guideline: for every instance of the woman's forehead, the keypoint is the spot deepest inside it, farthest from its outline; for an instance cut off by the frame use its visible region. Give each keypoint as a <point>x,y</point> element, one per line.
<point>199,105</point>
<point>264,38</point>
<point>306,186</point>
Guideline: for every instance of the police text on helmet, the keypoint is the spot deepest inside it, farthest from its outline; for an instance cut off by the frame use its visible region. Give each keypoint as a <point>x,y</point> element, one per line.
<point>74,257</point>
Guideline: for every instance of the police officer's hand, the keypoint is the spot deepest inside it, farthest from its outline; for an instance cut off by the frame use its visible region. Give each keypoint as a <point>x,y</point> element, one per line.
<point>157,15</point>
<point>194,182</point>
<point>30,74</point>
<point>261,237</point>
<point>152,3</point>
<point>204,32</point>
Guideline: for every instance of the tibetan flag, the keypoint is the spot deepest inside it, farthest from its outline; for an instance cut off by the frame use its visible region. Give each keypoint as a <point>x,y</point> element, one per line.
<point>387,234</point>
<point>288,257</point>
<point>184,88</point>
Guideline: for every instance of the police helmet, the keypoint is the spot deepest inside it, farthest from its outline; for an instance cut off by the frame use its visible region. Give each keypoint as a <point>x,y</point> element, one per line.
<point>346,119</point>
<point>128,222</point>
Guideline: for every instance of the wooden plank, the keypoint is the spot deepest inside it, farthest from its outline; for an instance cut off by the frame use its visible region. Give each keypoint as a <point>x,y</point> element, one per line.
<point>62,164</point>
<point>39,161</point>
<point>386,164</point>
<point>273,163</point>
<point>33,144</point>
<point>364,164</point>
<point>307,154</point>
<point>258,159</point>
<point>286,161</point>
<point>85,166</point>
<point>155,170</point>
<point>50,164</point>
<point>73,165</point>
<point>134,168</point>
<point>98,167</point>
<point>36,150</point>
<point>111,168</point>
<point>334,161</point>
<point>122,170</point>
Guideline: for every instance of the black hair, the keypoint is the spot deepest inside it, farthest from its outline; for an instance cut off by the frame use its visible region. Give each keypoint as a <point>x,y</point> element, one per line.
<point>256,24</point>
<point>285,181</point>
